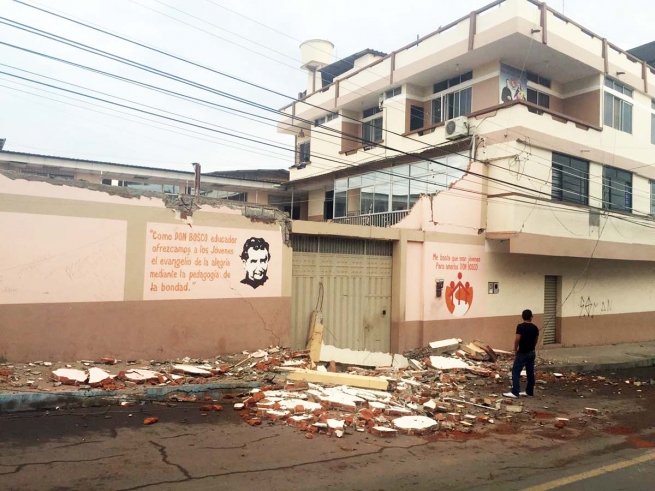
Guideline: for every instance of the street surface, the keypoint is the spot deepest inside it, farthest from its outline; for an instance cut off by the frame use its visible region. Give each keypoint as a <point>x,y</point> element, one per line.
<point>109,448</point>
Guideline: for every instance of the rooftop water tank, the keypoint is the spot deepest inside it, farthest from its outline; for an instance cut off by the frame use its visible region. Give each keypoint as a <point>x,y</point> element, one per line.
<point>316,53</point>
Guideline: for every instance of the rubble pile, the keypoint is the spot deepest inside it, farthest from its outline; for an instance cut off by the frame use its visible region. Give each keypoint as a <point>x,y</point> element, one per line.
<point>118,375</point>
<point>446,389</point>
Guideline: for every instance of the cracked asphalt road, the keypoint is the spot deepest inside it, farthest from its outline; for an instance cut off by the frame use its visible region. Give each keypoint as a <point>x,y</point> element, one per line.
<point>110,449</point>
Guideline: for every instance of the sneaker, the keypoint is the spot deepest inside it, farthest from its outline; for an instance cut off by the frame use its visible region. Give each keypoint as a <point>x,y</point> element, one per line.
<point>523,394</point>
<point>509,395</point>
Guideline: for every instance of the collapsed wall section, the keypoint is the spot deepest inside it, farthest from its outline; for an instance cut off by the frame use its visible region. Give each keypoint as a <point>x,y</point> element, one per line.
<point>88,272</point>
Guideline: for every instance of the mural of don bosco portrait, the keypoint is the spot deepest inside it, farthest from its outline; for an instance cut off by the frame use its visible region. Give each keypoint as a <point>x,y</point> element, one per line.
<point>255,257</point>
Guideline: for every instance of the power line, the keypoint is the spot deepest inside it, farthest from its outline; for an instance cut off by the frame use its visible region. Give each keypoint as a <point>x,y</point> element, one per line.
<point>179,79</point>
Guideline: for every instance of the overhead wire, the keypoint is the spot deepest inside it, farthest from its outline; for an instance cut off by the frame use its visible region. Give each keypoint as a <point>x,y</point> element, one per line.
<point>407,153</point>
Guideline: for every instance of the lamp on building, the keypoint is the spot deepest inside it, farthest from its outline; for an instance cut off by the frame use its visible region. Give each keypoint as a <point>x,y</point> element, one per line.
<point>535,31</point>
<point>618,74</point>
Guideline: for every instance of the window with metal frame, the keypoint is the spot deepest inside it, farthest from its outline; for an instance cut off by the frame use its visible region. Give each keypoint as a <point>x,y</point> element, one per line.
<point>416,117</point>
<point>452,82</point>
<point>570,179</point>
<point>397,188</point>
<point>538,98</point>
<point>652,198</point>
<point>617,112</point>
<point>372,130</point>
<point>451,105</point>
<point>371,111</point>
<point>303,152</point>
<point>538,79</point>
<point>617,189</point>
<point>393,92</point>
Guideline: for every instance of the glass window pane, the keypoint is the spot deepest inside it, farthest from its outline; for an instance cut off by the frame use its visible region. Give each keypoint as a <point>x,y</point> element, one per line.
<point>436,111</point>
<point>608,118</point>
<point>354,182</point>
<point>415,117</point>
<point>609,83</point>
<point>382,177</point>
<point>341,184</point>
<point>544,100</point>
<point>378,130</point>
<point>626,117</point>
<point>652,129</point>
<point>419,169</point>
<point>416,189</point>
<point>368,179</point>
<point>465,104</point>
<point>340,204</point>
<point>532,96</point>
<point>400,194</point>
<point>440,86</point>
<point>381,204</point>
<point>466,76</point>
<point>616,122</point>
<point>366,200</point>
<point>401,170</point>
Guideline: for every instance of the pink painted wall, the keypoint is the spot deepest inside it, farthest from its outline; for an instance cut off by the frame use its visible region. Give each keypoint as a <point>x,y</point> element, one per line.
<point>53,259</point>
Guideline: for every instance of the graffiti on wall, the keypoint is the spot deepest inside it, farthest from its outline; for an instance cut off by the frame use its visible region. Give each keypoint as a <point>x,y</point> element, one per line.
<point>211,262</point>
<point>458,271</point>
<point>589,308</point>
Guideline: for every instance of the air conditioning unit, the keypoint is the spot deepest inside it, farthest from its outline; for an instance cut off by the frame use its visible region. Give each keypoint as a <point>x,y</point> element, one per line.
<point>457,128</point>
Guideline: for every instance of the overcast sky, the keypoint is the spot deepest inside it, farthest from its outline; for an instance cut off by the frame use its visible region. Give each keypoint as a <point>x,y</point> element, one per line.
<point>264,50</point>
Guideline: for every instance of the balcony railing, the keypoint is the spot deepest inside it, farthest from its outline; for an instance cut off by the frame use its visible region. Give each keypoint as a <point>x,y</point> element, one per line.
<point>386,219</point>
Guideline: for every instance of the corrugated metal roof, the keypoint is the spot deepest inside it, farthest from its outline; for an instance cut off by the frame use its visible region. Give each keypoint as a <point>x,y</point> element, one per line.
<point>228,174</point>
<point>343,65</point>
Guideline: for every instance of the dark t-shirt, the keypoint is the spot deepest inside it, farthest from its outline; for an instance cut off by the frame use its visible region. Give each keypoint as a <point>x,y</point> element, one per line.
<point>529,334</point>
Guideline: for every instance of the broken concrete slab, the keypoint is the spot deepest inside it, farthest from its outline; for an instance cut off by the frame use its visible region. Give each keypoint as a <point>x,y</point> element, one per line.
<point>97,376</point>
<point>70,376</point>
<point>445,345</point>
<point>362,358</point>
<point>139,375</point>
<point>414,423</point>
<point>475,352</point>
<point>192,370</point>
<point>339,379</point>
<point>446,363</point>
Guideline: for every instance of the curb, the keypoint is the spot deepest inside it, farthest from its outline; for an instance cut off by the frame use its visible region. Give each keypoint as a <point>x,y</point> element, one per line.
<point>597,367</point>
<point>33,401</point>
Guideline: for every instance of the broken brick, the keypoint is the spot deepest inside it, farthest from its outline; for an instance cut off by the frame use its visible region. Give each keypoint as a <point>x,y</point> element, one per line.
<point>151,420</point>
<point>254,422</point>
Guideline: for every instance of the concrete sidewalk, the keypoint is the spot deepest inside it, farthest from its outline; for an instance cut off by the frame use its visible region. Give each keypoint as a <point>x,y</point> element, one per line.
<point>592,358</point>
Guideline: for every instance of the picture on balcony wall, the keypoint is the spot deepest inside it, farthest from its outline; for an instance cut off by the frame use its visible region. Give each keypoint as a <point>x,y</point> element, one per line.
<point>513,84</point>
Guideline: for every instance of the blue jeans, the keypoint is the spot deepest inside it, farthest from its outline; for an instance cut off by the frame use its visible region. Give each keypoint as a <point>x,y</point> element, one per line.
<point>523,360</point>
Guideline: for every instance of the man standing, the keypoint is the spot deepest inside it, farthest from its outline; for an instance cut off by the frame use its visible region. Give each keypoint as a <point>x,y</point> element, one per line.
<point>255,257</point>
<point>525,343</point>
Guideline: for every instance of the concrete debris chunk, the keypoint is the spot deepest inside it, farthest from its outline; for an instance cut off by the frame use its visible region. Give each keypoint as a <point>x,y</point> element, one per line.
<point>445,363</point>
<point>193,370</point>
<point>445,345</point>
<point>139,375</point>
<point>361,358</point>
<point>70,376</point>
<point>414,424</point>
<point>97,376</point>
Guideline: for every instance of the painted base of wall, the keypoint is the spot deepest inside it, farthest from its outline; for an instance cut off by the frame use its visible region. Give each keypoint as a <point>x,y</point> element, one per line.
<point>499,331</point>
<point>160,329</point>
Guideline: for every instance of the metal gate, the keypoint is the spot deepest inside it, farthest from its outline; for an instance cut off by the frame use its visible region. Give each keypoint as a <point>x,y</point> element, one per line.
<point>550,309</point>
<point>356,277</point>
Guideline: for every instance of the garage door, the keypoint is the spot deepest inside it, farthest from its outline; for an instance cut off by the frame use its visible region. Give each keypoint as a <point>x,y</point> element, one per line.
<point>356,277</point>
